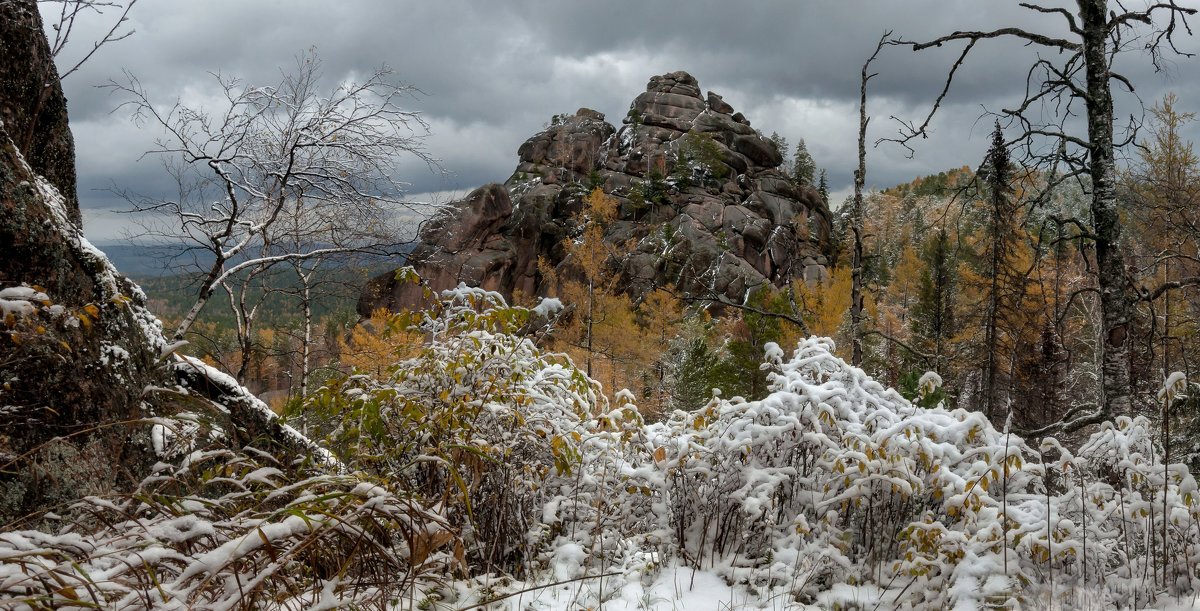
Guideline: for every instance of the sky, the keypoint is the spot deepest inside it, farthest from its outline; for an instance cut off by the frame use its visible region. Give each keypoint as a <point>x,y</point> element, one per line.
<point>491,74</point>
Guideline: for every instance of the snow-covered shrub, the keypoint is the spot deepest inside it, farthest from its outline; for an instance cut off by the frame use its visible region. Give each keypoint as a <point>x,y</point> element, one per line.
<point>831,479</point>
<point>834,479</point>
<point>480,421</point>
<point>230,530</point>
<point>614,507</point>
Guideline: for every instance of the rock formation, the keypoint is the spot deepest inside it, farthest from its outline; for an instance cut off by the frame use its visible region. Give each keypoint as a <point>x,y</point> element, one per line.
<point>85,373</point>
<point>701,196</point>
<point>32,105</point>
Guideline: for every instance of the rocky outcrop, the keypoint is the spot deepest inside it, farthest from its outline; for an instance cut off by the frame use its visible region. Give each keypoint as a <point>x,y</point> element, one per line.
<point>701,198</point>
<point>32,105</point>
<point>76,350</point>
<point>89,388</point>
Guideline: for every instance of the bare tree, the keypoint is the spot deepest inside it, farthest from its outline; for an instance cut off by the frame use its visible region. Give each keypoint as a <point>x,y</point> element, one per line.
<point>1080,72</point>
<point>279,174</point>
<point>856,215</point>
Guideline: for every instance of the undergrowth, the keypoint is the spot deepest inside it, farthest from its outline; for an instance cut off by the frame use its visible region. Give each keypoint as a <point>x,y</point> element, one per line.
<point>480,457</point>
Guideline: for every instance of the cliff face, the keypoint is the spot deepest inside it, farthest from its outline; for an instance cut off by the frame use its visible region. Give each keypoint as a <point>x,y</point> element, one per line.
<point>85,373</point>
<point>701,194</point>
<point>32,105</point>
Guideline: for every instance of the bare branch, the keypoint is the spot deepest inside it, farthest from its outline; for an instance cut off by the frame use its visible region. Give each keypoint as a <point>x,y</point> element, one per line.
<point>1055,11</point>
<point>1151,295</point>
<point>71,10</point>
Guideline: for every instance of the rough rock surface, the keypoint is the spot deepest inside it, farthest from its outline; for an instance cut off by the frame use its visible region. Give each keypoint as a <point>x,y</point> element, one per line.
<point>701,195</point>
<point>84,366</point>
<point>32,104</point>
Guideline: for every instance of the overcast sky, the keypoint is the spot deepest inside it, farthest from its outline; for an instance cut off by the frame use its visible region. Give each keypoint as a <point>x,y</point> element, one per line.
<point>493,73</point>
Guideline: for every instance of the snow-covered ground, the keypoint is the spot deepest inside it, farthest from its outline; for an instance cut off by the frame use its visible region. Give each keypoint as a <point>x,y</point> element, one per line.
<point>676,588</point>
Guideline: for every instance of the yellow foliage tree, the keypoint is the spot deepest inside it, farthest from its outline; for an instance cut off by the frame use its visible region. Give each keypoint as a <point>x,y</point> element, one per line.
<point>374,345</point>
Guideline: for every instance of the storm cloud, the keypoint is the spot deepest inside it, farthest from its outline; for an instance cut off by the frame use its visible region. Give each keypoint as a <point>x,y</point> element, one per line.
<point>493,73</point>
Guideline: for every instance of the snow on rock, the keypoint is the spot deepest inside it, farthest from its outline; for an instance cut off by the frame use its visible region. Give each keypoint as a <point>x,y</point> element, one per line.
<point>252,408</point>
<point>21,301</point>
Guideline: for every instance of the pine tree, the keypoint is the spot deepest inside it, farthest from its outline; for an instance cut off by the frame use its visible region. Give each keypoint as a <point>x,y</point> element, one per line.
<point>781,145</point>
<point>823,186</point>
<point>933,317</point>
<point>803,167</point>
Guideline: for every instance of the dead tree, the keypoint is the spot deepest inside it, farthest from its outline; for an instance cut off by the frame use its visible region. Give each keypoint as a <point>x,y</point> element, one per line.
<point>1079,72</point>
<point>856,215</point>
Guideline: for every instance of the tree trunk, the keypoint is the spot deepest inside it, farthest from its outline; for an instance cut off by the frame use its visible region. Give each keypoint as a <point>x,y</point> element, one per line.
<point>206,290</point>
<point>856,218</point>
<point>1115,305</point>
<point>989,386</point>
<point>591,318</point>
<point>305,348</point>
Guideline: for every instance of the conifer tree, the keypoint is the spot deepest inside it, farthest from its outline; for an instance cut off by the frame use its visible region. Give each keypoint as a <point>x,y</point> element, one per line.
<point>781,145</point>
<point>933,316</point>
<point>999,174</point>
<point>803,167</point>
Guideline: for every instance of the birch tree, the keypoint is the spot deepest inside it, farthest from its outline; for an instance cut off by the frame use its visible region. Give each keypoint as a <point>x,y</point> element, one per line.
<point>280,174</point>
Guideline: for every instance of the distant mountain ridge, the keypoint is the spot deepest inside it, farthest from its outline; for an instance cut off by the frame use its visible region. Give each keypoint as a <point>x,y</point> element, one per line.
<point>702,198</point>
<point>143,261</point>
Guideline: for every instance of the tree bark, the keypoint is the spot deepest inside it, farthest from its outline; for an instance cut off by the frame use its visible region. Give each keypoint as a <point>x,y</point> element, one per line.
<point>856,219</point>
<point>1115,303</point>
<point>306,348</point>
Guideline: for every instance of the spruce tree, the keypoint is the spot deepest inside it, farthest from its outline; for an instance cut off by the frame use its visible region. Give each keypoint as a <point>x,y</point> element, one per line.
<point>933,317</point>
<point>781,145</point>
<point>803,167</point>
<point>999,173</point>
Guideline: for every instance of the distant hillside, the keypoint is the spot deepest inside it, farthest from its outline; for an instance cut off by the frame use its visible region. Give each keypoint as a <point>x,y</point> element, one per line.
<point>936,185</point>
<point>144,261</point>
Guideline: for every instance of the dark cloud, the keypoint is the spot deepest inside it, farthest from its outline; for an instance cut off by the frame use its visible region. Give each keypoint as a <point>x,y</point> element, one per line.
<point>493,73</point>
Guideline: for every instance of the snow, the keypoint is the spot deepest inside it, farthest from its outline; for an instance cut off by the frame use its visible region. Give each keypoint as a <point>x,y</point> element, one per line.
<point>1173,387</point>
<point>230,387</point>
<point>929,382</point>
<point>21,301</point>
<point>548,307</point>
<point>832,489</point>
<point>23,293</point>
<point>568,561</point>
<point>670,589</point>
